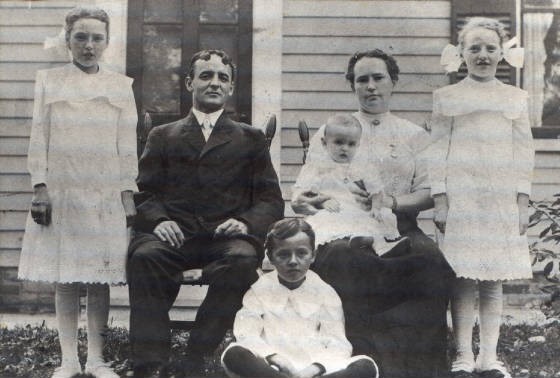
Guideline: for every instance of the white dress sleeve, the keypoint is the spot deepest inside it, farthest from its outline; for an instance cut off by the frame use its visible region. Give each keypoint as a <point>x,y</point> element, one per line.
<point>37,155</point>
<point>441,128</point>
<point>523,151</point>
<point>126,144</point>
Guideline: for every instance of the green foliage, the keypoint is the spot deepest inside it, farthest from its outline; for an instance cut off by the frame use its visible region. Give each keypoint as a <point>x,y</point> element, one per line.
<point>546,249</point>
<point>34,352</point>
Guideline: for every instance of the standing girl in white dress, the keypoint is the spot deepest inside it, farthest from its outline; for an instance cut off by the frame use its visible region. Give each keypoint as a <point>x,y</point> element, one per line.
<point>83,165</point>
<point>481,180</point>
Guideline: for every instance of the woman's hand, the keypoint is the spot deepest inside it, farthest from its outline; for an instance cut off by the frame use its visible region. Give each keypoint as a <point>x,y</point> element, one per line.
<point>441,208</point>
<point>41,205</point>
<point>523,204</point>
<point>309,202</point>
<point>361,196</point>
<point>129,206</point>
<point>331,205</point>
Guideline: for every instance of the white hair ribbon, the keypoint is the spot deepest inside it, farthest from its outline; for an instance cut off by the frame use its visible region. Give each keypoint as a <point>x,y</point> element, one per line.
<point>514,55</point>
<point>451,58</point>
<point>58,44</point>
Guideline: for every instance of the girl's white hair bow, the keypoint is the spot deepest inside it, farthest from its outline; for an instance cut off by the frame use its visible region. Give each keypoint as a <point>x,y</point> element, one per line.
<point>451,58</point>
<point>58,45</point>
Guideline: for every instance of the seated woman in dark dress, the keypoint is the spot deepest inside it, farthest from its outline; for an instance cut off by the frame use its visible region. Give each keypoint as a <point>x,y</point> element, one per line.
<point>395,305</point>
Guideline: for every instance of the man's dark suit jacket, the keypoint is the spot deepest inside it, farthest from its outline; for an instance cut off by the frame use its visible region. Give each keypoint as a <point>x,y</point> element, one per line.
<point>201,184</point>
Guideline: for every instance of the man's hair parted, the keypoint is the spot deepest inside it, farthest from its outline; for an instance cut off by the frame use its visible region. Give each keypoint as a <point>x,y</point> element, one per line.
<point>205,55</point>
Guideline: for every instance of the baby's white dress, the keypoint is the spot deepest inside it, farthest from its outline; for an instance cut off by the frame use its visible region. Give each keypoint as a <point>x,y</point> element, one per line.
<point>322,175</point>
<point>482,156</point>
<point>83,147</point>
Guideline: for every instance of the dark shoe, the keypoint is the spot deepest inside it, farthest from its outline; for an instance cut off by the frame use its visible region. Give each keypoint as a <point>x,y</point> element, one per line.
<point>461,374</point>
<point>494,373</point>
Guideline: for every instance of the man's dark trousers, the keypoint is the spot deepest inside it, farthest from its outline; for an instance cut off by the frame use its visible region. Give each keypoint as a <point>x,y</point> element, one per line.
<point>153,270</point>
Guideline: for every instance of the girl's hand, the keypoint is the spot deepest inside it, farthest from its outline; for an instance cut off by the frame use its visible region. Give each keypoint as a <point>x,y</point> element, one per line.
<point>41,205</point>
<point>129,206</point>
<point>523,204</point>
<point>331,205</point>
<point>441,208</point>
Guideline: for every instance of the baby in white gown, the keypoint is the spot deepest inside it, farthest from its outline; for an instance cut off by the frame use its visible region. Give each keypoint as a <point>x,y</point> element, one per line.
<point>330,177</point>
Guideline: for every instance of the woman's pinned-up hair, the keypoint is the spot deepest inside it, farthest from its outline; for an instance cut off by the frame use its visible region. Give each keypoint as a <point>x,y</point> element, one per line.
<point>78,13</point>
<point>390,62</point>
<point>486,23</point>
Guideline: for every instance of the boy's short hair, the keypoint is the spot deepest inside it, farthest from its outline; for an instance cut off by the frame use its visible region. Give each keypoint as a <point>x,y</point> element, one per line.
<point>286,228</point>
<point>344,120</point>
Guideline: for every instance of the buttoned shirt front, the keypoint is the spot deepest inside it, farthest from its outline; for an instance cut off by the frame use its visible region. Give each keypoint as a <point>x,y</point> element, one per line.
<point>211,119</point>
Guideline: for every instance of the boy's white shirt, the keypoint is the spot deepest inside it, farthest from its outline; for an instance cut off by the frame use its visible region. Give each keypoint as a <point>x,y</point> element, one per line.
<point>305,325</point>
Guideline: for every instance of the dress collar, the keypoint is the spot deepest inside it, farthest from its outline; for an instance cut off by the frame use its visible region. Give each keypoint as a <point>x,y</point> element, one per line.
<point>71,84</point>
<point>372,119</point>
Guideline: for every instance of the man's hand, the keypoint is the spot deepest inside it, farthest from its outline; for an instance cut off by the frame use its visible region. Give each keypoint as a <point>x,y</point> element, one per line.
<point>331,205</point>
<point>231,227</point>
<point>283,364</point>
<point>361,196</point>
<point>441,208</point>
<point>169,231</point>
<point>129,206</point>
<point>523,204</point>
<point>41,205</point>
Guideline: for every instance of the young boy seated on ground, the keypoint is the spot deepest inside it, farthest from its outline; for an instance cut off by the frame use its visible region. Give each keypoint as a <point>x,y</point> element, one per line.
<point>292,323</point>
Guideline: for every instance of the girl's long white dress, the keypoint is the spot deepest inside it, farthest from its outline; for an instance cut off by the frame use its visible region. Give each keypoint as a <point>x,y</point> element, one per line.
<point>482,157</point>
<point>83,147</point>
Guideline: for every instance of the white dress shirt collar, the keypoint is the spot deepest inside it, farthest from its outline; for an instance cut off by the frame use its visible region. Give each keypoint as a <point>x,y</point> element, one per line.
<point>212,117</point>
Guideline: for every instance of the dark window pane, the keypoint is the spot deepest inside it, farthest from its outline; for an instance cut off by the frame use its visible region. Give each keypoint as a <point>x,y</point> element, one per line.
<point>161,87</point>
<point>218,11</point>
<point>163,11</point>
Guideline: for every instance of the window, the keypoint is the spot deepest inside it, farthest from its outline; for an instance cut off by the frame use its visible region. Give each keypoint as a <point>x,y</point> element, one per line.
<point>541,73</point>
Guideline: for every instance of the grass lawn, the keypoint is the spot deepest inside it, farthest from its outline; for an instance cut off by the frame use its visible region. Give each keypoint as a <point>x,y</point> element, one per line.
<point>528,351</point>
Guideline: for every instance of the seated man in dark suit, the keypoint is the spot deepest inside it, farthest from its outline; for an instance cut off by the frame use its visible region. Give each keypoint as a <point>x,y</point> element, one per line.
<point>212,193</point>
